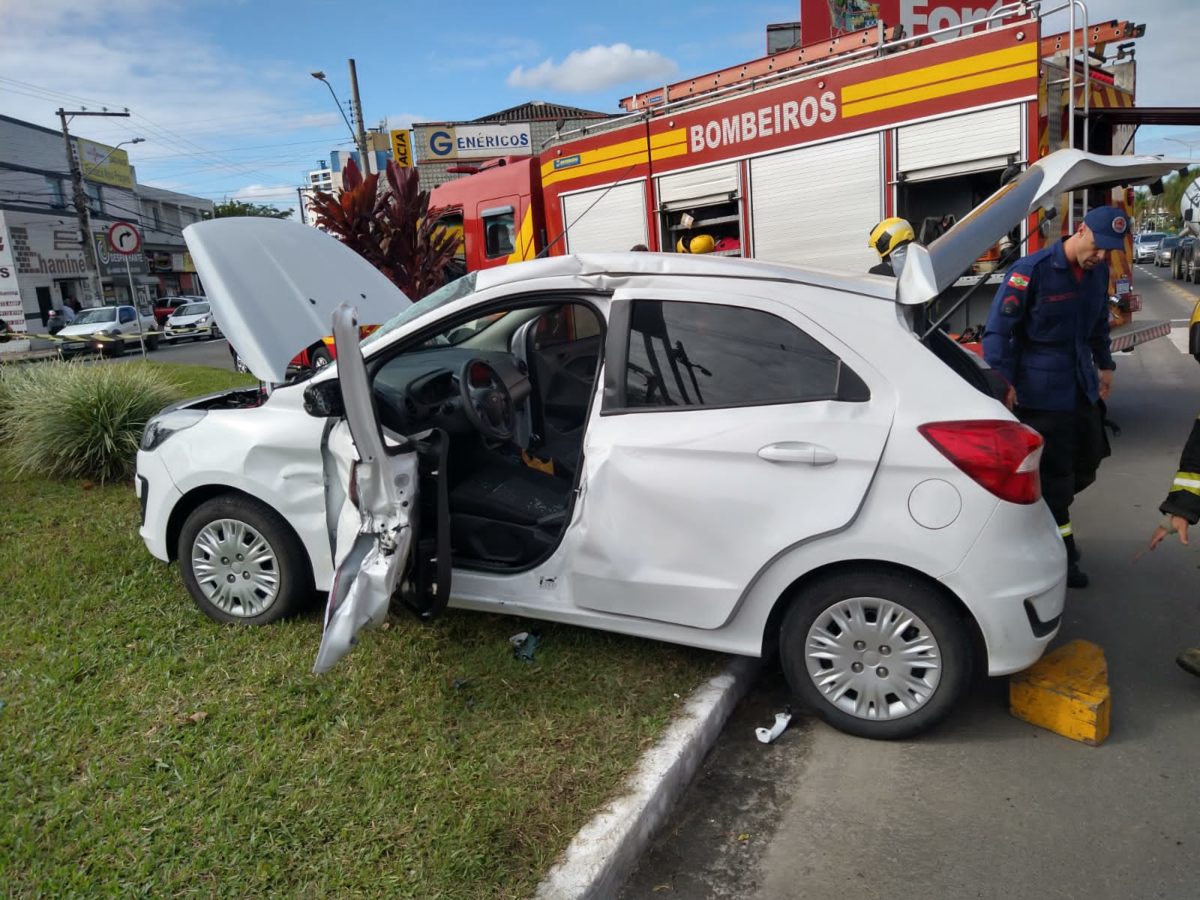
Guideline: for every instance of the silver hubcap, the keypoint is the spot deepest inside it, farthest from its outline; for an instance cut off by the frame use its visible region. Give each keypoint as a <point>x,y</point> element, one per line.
<point>873,658</point>
<point>235,567</point>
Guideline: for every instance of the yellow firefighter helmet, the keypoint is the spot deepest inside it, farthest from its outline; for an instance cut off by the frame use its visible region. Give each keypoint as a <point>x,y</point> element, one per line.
<point>702,243</point>
<point>890,234</point>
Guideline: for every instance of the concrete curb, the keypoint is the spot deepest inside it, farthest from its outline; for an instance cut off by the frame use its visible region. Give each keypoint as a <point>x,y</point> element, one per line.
<point>605,852</point>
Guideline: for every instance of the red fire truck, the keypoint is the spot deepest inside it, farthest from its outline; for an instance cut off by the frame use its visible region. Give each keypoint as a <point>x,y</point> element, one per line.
<point>794,157</point>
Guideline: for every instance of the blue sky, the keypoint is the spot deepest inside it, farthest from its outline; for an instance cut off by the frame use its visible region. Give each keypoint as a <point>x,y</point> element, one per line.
<point>221,92</point>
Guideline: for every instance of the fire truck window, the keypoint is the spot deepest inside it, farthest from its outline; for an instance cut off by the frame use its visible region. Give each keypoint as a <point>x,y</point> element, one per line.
<point>453,223</point>
<point>713,228</point>
<point>498,235</point>
<point>705,354</point>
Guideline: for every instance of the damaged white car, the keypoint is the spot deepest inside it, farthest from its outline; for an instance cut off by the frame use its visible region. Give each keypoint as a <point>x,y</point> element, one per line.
<point>728,454</point>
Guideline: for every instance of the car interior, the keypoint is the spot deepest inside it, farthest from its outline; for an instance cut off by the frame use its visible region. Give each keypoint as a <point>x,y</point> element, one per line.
<point>511,392</point>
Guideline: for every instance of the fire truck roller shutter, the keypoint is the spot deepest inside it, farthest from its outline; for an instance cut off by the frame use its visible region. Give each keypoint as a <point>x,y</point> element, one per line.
<point>959,145</point>
<point>815,206</point>
<point>699,185</point>
<point>615,223</point>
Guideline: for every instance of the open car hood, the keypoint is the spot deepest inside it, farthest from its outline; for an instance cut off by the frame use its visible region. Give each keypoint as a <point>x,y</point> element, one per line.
<point>273,286</point>
<point>930,270</point>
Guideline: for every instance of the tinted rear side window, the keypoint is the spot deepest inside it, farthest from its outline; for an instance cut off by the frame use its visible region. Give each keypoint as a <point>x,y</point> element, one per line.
<point>708,354</point>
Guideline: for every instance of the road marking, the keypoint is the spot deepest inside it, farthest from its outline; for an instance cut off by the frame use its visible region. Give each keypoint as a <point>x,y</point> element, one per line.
<point>1179,337</point>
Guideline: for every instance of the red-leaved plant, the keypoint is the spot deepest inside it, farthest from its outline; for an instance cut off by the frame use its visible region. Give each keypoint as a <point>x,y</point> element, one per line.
<point>395,231</point>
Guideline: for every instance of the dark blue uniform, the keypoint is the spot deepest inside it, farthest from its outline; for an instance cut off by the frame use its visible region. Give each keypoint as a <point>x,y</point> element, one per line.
<point>1047,333</point>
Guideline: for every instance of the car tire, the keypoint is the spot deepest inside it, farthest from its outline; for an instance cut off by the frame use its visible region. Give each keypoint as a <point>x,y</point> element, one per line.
<point>277,584</point>
<point>117,348</point>
<point>215,333</point>
<point>152,342</point>
<point>320,358</point>
<point>834,624</point>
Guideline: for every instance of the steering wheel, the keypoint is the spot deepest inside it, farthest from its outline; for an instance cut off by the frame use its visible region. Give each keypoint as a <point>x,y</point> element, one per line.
<point>487,403</point>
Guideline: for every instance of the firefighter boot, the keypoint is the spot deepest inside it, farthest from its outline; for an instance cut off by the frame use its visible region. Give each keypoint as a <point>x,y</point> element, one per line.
<point>1189,660</point>
<point>1076,578</point>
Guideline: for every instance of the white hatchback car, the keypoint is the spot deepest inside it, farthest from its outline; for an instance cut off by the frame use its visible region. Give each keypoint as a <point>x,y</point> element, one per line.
<point>728,454</point>
<point>193,321</point>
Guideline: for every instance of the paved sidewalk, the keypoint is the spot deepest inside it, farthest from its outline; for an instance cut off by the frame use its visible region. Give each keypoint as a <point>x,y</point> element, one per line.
<point>607,849</point>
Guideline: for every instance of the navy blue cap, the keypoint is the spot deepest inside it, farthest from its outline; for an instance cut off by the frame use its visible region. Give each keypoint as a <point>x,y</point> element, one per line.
<point>1109,227</point>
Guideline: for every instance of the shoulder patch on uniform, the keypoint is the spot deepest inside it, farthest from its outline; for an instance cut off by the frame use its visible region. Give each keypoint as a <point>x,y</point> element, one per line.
<point>1011,305</point>
<point>1019,281</point>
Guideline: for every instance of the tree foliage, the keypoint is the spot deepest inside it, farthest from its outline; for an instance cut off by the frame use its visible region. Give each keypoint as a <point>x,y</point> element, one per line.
<point>1163,211</point>
<point>393,229</point>
<point>228,208</point>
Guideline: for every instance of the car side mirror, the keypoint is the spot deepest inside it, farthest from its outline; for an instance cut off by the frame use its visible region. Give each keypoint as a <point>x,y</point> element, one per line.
<point>324,400</point>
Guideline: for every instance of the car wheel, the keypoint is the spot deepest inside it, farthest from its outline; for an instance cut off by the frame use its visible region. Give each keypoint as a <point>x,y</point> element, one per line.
<point>215,333</point>
<point>152,342</point>
<point>320,358</point>
<point>875,654</point>
<point>116,348</point>
<point>242,563</point>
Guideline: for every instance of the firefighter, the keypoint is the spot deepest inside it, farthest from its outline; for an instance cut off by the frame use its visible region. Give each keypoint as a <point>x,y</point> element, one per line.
<point>1047,334</point>
<point>890,239</point>
<point>1181,509</point>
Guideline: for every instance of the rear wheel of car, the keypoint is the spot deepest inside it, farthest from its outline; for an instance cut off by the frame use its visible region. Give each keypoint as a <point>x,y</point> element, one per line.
<point>242,563</point>
<point>876,654</point>
<point>320,358</point>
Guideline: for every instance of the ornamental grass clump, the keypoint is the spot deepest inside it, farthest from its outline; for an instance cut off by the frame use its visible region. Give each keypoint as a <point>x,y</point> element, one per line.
<point>75,420</point>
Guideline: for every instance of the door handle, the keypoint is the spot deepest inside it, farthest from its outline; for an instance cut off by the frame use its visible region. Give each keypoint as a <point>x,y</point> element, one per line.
<point>798,452</point>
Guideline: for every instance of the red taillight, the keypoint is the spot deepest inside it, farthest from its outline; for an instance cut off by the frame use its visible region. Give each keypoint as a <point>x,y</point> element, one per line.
<point>1002,456</point>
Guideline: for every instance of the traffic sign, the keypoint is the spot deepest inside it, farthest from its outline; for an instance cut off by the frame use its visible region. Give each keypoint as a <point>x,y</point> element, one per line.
<point>124,238</point>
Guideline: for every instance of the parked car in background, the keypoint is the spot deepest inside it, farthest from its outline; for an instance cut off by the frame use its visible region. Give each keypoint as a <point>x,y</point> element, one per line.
<point>191,320</point>
<point>1145,244</point>
<point>1162,253</point>
<point>1181,257</point>
<point>109,330</point>
<point>165,306</point>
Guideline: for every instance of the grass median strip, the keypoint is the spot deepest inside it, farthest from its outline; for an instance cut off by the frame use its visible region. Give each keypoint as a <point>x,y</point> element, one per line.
<point>147,750</point>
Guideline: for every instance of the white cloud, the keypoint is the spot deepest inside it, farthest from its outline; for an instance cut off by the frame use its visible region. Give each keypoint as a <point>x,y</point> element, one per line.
<point>189,98</point>
<point>594,69</point>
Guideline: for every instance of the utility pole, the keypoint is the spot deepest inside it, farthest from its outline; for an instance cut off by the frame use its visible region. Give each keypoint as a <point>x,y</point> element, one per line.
<point>358,119</point>
<point>82,205</point>
<point>300,196</point>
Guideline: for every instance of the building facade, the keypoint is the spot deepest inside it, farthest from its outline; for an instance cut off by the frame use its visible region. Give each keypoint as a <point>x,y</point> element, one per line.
<point>42,260</point>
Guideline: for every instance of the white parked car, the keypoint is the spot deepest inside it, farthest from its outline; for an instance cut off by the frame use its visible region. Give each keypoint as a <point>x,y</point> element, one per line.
<point>109,330</point>
<point>722,453</point>
<point>192,321</point>
<point>1145,245</point>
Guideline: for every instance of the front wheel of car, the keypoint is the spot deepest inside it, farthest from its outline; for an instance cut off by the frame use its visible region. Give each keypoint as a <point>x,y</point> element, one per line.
<point>215,332</point>
<point>320,358</point>
<point>876,654</point>
<point>242,563</point>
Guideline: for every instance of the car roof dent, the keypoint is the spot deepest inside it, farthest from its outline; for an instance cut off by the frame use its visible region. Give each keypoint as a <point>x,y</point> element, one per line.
<point>273,286</point>
<point>1037,188</point>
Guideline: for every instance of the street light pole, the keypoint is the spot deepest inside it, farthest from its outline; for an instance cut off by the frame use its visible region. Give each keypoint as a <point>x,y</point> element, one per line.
<point>358,117</point>
<point>359,138</point>
<point>1188,144</point>
<point>82,207</point>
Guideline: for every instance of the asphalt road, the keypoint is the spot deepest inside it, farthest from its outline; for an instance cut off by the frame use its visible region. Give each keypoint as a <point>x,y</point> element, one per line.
<point>988,806</point>
<point>195,353</point>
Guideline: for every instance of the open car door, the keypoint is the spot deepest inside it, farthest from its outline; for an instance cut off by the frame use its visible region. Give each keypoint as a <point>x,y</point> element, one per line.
<point>373,487</point>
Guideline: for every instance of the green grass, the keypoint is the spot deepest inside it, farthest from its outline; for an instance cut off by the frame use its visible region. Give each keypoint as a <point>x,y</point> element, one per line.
<point>146,751</point>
